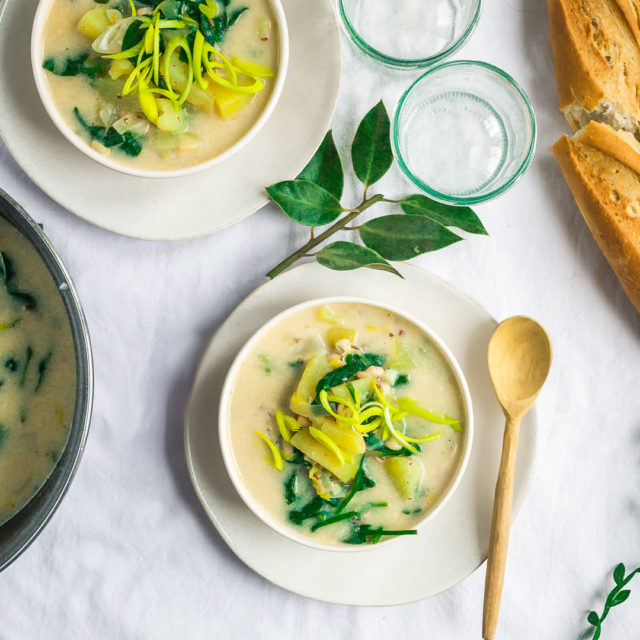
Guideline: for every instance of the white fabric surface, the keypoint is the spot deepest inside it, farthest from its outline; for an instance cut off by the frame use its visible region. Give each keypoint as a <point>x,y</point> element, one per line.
<point>130,553</point>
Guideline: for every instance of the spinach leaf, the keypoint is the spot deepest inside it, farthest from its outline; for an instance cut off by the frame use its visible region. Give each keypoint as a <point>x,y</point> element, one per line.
<point>367,534</point>
<point>385,452</point>
<point>312,508</point>
<point>3,269</point>
<point>401,380</point>
<point>28,357</point>
<point>291,488</point>
<point>125,142</point>
<point>7,265</point>
<point>133,35</point>
<point>232,17</point>
<point>333,519</point>
<point>3,434</point>
<point>42,369</point>
<point>74,66</point>
<point>25,300</point>
<point>355,362</point>
<point>361,482</point>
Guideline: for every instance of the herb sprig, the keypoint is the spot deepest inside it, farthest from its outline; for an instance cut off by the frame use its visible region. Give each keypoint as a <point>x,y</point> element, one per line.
<point>617,596</point>
<point>313,199</point>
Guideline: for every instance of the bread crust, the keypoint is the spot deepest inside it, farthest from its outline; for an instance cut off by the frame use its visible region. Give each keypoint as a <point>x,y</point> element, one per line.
<point>620,145</point>
<point>596,56</point>
<point>631,11</point>
<point>608,195</point>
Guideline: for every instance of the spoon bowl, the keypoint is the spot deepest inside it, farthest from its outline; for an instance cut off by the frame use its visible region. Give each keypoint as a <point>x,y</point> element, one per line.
<point>519,361</point>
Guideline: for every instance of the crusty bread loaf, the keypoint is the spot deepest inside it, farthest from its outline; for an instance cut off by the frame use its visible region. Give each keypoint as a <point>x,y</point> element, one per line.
<point>620,145</point>
<point>597,62</point>
<point>631,11</point>
<point>607,192</point>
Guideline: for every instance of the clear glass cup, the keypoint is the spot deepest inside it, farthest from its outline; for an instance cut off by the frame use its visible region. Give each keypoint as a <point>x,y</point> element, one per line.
<point>409,33</point>
<point>464,132</point>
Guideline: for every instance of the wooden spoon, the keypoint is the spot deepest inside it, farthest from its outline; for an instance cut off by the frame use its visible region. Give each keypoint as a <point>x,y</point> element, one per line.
<point>519,361</point>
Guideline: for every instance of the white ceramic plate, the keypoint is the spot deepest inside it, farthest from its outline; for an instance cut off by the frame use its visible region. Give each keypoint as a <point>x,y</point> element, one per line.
<point>189,206</point>
<point>455,543</point>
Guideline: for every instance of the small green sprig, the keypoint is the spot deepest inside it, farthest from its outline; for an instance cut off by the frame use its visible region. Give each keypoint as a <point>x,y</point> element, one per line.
<point>314,198</point>
<point>617,596</point>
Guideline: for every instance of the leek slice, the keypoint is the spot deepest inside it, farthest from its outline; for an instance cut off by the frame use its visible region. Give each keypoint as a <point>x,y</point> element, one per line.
<point>324,439</point>
<point>252,69</point>
<point>276,462</point>
<point>129,53</point>
<point>173,45</point>
<point>282,427</point>
<point>198,49</point>
<point>156,49</point>
<point>409,405</point>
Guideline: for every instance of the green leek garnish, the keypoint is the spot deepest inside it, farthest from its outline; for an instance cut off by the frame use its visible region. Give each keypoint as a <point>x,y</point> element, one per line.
<point>276,462</point>
<point>409,405</point>
<point>328,442</point>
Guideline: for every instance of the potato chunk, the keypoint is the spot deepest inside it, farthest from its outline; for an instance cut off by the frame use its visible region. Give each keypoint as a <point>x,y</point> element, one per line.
<point>345,437</point>
<point>307,444</point>
<point>305,392</point>
<point>335,334</point>
<point>406,475</point>
<point>94,22</point>
<point>228,102</point>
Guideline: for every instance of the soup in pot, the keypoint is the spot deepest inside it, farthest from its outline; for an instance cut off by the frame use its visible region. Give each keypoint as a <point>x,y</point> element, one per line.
<point>37,372</point>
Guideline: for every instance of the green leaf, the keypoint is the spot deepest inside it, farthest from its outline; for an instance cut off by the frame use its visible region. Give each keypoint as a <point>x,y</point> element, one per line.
<point>325,168</point>
<point>73,66</point>
<point>593,618</point>
<point>109,137</point>
<point>461,217</point>
<point>305,202</point>
<point>618,573</point>
<point>401,237</point>
<point>620,597</point>
<point>371,149</point>
<point>345,256</point>
<point>3,270</point>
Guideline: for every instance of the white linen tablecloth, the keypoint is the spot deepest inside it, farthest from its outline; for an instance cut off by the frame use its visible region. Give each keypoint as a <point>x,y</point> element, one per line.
<point>130,553</point>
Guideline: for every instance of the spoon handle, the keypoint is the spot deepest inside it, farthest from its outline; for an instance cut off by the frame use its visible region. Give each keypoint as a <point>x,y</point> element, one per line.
<point>501,521</point>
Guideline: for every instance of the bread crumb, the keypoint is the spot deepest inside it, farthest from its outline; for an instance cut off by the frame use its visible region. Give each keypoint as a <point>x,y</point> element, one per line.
<point>633,209</point>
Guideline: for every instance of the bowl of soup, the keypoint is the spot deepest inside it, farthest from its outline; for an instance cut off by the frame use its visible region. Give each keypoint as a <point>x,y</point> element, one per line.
<point>159,88</point>
<point>345,423</point>
<point>45,380</point>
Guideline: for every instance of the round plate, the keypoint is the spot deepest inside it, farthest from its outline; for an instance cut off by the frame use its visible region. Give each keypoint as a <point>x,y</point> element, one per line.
<point>416,567</point>
<point>174,208</point>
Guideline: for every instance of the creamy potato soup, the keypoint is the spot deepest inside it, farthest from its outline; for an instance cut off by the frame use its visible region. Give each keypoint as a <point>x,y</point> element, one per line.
<point>169,86</point>
<point>37,372</point>
<point>347,424</point>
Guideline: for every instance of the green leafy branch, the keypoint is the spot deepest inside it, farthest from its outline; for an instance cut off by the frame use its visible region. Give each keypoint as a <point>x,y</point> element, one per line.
<point>617,596</point>
<point>313,199</point>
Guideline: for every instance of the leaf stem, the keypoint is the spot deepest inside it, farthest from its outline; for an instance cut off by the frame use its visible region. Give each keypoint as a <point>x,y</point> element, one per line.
<point>339,225</point>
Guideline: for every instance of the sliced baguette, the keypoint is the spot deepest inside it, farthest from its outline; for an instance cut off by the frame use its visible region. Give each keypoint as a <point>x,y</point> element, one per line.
<point>597,63</point>
<point>620,145</point>
<point>607,192</point>
<point>631,11</point>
